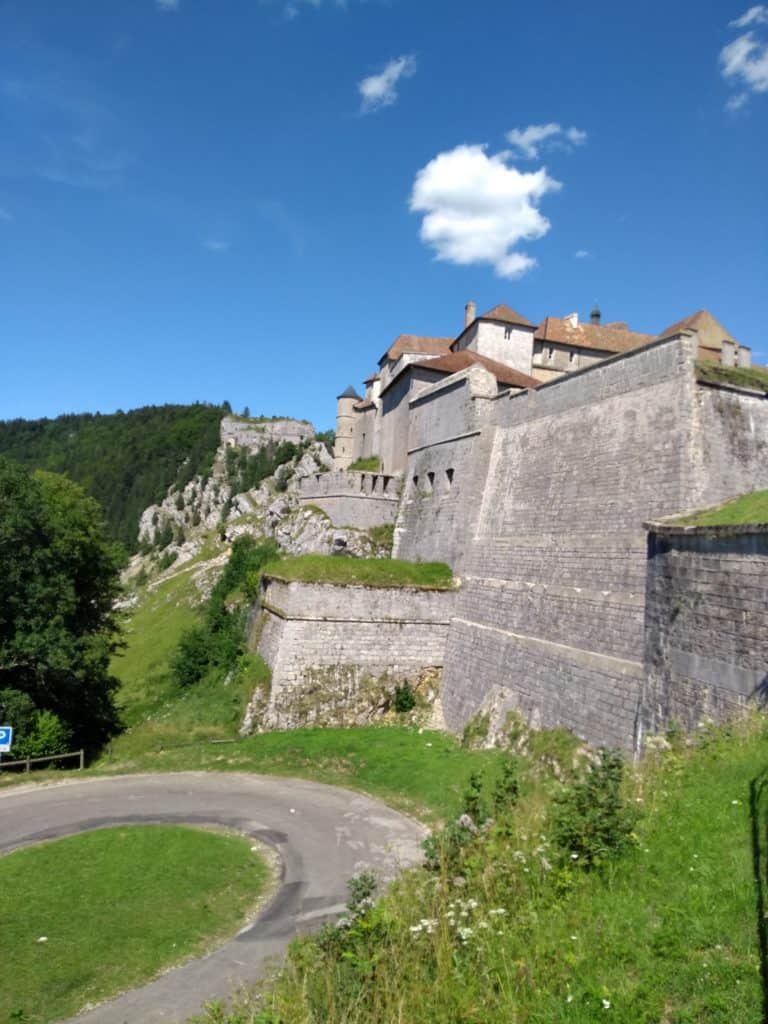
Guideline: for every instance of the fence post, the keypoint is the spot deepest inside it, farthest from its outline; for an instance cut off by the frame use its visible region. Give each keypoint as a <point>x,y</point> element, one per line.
<point>27,766</point>
<point>82,760</point>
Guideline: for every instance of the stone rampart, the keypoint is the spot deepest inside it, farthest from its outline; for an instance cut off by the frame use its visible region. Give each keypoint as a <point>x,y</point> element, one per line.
<point>350,498</point>
<point>336,653</point>
<point>706,622</point>
<point>550,618</point>
<point>449,444</point>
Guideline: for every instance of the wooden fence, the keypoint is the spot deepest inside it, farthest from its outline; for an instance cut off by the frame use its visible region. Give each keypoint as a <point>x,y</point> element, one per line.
<point>29,761</point>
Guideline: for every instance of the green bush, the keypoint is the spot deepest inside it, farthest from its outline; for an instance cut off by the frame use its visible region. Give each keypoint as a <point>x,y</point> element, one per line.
<point>591,822</point>
<point>216,645</point>
<point>405,698</point>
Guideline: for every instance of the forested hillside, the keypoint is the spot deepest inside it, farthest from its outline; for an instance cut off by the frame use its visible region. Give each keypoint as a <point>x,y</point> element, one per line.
<point>126,460</point>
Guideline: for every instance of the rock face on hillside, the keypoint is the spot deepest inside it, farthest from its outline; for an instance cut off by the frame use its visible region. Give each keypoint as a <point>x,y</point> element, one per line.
<point>255,434</point>
<point>180,527</point>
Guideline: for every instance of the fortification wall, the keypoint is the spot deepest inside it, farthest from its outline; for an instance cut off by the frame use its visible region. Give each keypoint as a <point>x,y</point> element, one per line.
<point>731,443</point>
<point>350,498</point>
<point>449,445</point>
<point>706,625</point>
<point>550,618</point>
<point>337,653</point>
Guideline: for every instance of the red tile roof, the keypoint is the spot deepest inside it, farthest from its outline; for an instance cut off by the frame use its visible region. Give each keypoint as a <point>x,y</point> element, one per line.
<point>364,406</point>
<point>506,315</point>
<point>417,344</point>
<point>454,362</point>
<point>609,338</point>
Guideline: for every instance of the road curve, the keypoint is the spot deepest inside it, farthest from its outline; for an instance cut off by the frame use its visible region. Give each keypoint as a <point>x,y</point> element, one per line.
<point>323,835</point>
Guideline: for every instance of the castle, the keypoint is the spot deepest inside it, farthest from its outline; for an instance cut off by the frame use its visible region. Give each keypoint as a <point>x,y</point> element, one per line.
<point>540,463</point>
<point>514,351</point>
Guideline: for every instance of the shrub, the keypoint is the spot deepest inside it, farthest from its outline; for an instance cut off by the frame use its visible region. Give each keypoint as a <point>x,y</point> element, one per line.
<point>592,823</point>
<point>405,698</point>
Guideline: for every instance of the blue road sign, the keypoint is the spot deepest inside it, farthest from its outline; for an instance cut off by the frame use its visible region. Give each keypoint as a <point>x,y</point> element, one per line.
<point>6,738</point>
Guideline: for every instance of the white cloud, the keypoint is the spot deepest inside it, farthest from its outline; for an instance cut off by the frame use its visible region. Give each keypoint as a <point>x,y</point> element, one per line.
<point>216,245</point>
<point>380,90</point>
<point>745,62</point>
<point>168,5</point>
<point>754,16</point>
<point>477,208</point>
<point>527,142</point>
<point>582,254</point>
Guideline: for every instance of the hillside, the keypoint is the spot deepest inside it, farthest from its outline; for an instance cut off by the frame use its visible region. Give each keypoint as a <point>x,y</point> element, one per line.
<point>126,460</point>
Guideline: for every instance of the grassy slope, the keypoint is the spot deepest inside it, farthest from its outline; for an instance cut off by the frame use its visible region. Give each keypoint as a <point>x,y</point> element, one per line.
<point>370,572</point>
<point>755,377</point>
<point>117,906</point>
<point>747,510</point>
<point>666,935</point>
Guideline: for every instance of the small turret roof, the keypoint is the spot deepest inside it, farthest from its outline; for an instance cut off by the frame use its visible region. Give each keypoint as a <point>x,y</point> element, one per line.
<point>349,393</point>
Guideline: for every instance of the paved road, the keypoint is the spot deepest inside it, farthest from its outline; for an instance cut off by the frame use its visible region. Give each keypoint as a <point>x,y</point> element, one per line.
<point>323,836</point>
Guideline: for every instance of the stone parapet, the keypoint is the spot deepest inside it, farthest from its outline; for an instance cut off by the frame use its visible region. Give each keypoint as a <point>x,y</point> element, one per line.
<point>337,653</point>
<point>351,498</point>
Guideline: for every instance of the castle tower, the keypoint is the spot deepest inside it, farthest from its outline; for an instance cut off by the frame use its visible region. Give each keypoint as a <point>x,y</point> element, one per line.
<point>344,450</point>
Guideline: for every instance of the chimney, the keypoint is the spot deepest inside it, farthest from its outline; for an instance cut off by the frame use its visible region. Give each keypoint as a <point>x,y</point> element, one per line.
<point>572,319</point>
<point>594,316</point>
<point>469,313</point>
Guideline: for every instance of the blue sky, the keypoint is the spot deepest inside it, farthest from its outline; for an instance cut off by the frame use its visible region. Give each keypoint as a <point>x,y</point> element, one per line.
<point>249,199</point>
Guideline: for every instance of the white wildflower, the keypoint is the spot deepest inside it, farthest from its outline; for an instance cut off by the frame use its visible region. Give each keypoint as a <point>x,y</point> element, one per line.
<point>43,938</point>
<point>606,1004</point>
<point>497,912</point>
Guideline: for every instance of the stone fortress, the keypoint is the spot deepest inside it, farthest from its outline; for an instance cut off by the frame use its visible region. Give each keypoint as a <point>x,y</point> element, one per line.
<point>538,462</point>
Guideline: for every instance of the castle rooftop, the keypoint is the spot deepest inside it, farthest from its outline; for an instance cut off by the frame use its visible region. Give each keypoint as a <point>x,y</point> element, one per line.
<point>454,362</point>
<point>614,337</point>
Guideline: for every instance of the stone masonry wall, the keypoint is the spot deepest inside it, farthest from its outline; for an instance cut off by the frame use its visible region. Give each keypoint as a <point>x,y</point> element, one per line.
<point>350,498</point>
<point>550,618</point>
<point>447,464</point>
<point>336,653</point>
<point>706,625</point>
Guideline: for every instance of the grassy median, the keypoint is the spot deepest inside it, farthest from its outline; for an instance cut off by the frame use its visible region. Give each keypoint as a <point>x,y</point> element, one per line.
<point>95,914</point>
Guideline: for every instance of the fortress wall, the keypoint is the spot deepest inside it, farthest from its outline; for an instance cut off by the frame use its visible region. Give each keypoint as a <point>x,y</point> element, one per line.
<point>550,620</point>
<point>731,444</point>
<point>449,444</point>
<point>336,653</point>
<point>706,629</point>
<point>350,498</point>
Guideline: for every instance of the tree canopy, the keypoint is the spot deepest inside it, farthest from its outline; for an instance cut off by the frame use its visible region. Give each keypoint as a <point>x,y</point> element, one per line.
<point>59,579</point>
<point>126,460</point>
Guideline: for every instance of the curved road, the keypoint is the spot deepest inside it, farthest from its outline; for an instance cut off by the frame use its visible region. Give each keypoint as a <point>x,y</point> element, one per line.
<point>323,836</point>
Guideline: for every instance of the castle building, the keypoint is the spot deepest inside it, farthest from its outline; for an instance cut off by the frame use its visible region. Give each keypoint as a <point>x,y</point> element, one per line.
<point>518,354</point>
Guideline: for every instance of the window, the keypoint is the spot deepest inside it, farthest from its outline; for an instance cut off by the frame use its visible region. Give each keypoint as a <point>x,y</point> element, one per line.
<point>431,478</point>
<point>416,481</point>
<point>571,356</point>
<point>449,477</point>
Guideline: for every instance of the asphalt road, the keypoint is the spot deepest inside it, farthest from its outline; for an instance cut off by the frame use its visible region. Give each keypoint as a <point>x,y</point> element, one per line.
<point>323,836</point>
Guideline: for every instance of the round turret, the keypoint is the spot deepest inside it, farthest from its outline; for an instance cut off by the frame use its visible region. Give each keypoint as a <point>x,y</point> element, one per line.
<point>344,449</point>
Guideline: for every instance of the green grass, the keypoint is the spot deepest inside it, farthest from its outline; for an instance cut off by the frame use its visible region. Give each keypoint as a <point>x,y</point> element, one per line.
<point>368,572</point>
<point>747,510</point>
<point>666,934</point>
<point>116,906</point>
<point>152,633</point>
<point>370,465</point>
<point>755,377</point>
<point>421,773</point>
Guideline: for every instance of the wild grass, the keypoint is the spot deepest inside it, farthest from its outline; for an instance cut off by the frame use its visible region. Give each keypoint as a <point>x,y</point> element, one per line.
<point>512,929</point>
<point>97,913</point>
<point>372,464</point>
<point>152,633</point>
<point>755,377</point>
<point>368,572</point>
<point>747,510</point>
